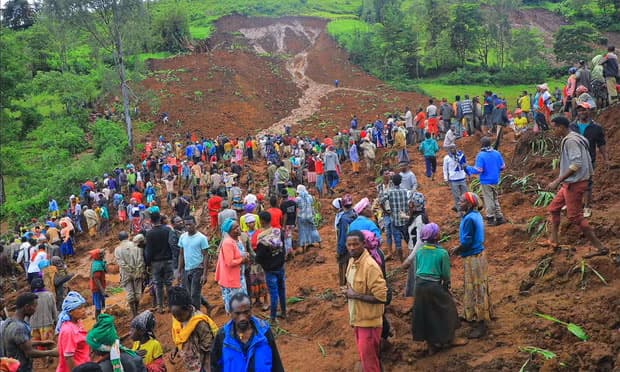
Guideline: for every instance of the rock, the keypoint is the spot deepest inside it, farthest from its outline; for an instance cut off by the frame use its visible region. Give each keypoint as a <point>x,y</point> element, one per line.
<point>319,259</point>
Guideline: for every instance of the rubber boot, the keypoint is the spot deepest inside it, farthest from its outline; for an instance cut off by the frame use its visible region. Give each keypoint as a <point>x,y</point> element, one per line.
<point>479,330</point>
<point>133,305</point>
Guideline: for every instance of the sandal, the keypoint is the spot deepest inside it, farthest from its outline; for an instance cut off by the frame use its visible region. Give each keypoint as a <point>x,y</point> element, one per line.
<point>600,252</point>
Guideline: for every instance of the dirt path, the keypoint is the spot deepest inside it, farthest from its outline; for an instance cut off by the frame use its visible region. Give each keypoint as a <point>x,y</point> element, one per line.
<point>313,92</point>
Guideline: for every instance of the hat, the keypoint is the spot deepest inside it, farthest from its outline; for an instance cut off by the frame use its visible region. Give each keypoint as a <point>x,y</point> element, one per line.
<point>140,238</point>
<point>361,205</point>
<point>585,105</point>
<point>337,203</point>
<point>347,200</point>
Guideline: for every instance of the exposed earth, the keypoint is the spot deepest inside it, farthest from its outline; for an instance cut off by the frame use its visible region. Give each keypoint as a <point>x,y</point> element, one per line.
<point>263,73</point>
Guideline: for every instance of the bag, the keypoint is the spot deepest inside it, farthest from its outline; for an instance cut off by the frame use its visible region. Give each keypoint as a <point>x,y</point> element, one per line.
<point>115,357</point>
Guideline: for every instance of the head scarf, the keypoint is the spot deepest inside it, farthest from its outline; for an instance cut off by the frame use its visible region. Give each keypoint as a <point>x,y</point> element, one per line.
<point>9,365</point>
<point>337,203</point>
<point>72,301</point>
<point>145,321</point>
<point>138,238</point>
<point>249,208</point>
<point>303,193</point>
<point>37,285</point>
<point>372,243</point>
<point>472,199</point>
<point>57,261</point>
<point>154,209</point>
<point>430,231</point>
<point>250,218</point>
<point>103,335</point>
<point>419,201</point>
<point>359,207</point>
<point>228,225</point>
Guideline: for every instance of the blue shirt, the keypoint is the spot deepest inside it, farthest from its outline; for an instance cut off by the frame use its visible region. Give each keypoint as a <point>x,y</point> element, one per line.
<point>429,147</point>
<point>471,234</point>
<point>489,165</point>
<point>193,245</point>
<point>53,205</point>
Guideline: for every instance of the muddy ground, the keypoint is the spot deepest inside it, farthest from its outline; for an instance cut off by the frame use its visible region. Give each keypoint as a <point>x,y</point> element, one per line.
<point>291,82</point>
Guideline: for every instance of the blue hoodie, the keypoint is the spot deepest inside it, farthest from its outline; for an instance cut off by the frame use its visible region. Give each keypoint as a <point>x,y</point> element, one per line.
<point>259,354</point>
<point>471,234</point>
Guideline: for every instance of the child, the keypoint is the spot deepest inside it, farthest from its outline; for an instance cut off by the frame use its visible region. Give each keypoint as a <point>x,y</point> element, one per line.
<point>520,123</point>
<point>145,343</point>
<point>98,269</point>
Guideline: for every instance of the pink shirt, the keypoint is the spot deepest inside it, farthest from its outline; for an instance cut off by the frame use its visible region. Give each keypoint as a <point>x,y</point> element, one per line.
<point>72,343</point>
<point>228,269</point>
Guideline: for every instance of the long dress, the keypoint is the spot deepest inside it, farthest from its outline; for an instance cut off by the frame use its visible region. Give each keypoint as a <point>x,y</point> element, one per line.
<point>308,234</point>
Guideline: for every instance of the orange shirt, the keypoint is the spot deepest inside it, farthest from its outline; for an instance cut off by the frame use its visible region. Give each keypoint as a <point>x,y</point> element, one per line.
<point>318,166</point>
<point>276,217</point>
<point>420,118</point>
<point>214,204</point>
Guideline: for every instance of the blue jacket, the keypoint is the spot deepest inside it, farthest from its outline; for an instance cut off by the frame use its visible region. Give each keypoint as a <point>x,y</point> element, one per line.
<point>259,354</point>
<point>471,234</point>
<point>489,165</point>
<point>343,228</point>
<point>429,147</point>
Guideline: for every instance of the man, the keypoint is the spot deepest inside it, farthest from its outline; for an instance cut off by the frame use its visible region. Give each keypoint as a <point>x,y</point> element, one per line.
<point>525,104</point>
<point>585,126</point>
<point>398,200</point>
<point>16,339</point>
<point>226,213</point>
<point>467,112</point>
<point>270,254</point>
<point>575,171</point>
<point>429,149</point>
<point>181,205</point>
<point>446,113</point>
<point>92,220</point>
<point>409,181</point>
<point>369,150</point>
<point>583,78</point>
<point>288,206</point>
<point>489,165</point>
<point>454,164</point>
<point>246,342</point>
<point>409,125</point>
<point>130,260</point>
<point>158,255</point>
<point>343,221</point>
<point>173,239</point>
<point>476,299</point>
<point>331,166</point>
<point>52,207</point>
<point>610,71</point>
<point>193,260</point>
<point>169,182</point>
<point>366,294</point>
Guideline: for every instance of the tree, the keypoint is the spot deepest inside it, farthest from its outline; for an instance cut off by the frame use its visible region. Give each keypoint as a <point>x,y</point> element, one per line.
<point>173,29</point>
<point>465,20</point>
<point>19,14</point>
<point>110,23</point>
<point>527,46</point>
<point>574,42</point>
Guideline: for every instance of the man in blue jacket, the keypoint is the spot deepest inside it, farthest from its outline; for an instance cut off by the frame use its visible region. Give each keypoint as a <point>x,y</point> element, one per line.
<point>245,343</point>
<point>489,165</point>
<point>343,220</point>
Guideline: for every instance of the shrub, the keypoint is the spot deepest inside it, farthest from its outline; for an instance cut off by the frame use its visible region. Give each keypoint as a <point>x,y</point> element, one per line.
<point>172,27</point>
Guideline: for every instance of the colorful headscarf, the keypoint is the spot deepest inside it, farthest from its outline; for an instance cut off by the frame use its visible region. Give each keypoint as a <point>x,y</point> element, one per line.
<point>103,335</point>
<point>72,301</point>
<point>361,205</point>
<point>228,225</point>
<point>9,365</point>
<point>145,321</point>
<point>337,203</point>
<point>430,232</point>
<point>372,243</point>
<point>419,201</point>
<point>472,199</point>
<point>249,208</point>
<point>250,218</point>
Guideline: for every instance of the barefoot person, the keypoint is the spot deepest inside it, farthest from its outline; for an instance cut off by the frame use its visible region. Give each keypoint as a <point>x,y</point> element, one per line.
<point>476,298</point>
<point>575,171</point>
<point>434,313</point>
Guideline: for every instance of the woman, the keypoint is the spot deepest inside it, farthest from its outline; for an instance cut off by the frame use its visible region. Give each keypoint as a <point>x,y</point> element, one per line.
<point>249,210</point>
<point>72,347</point>
<point>192,332</point>
<point>308,234</point>
<point>258,283</point>
<point>66,248</point>
<point>59,278</point>
<point>476,299</point>
<point>229,273</point>
<point>434,318</point>
<point>417,219</point>
<point>106,349</point>
<point>355,158</point>
<point>145,344</point>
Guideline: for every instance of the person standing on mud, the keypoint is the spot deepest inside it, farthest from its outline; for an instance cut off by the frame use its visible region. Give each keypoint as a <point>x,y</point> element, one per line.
<point>130,260</point>
<point>476,298</point>
<point>158,255</point>
<point>366,294</point>
<point>575,172</point>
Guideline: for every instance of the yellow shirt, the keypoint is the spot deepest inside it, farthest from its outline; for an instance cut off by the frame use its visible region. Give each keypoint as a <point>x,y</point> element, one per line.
<point>521,122</point>
<point>153,350</point>
<point>524,103</point>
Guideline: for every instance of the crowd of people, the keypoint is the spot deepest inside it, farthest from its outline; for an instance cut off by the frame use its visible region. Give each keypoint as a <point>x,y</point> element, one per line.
<point>251,230</point>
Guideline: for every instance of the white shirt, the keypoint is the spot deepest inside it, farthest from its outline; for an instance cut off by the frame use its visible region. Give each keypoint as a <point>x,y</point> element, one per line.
<point>450,138</point>
<point>409,119</point>
<point>34,264</point>
<point>250,199</point>
<point>431,111</point>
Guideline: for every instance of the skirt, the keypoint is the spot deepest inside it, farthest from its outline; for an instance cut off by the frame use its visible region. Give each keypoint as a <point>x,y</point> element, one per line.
<point>434,317</point>
<point>66,248</point>
<point>476,298</point>
<point>308,233</point>
<point>258,283</point>
<point>227,293</point>
<point>410,284</point>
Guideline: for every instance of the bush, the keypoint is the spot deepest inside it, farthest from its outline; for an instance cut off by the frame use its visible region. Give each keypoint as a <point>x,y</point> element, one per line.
<point>172,27</point>
<point>108,135</point>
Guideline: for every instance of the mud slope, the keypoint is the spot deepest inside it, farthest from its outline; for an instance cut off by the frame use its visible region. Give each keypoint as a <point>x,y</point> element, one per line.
<point>524,277</point>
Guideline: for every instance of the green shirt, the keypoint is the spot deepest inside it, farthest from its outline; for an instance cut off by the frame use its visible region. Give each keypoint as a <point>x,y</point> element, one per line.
<point>433,261</point>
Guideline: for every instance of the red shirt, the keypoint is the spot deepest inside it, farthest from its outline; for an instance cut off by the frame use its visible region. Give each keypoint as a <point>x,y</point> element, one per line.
<point>318,166</point>
<point>215,204</point>
<point>137,195</point>
<point>97,275</point>
<point>72,342</point>
<point>276,217</point>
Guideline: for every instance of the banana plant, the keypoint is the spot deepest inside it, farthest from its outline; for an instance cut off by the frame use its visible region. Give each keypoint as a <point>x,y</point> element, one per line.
<point>571,327</point>
<point>544,198</point>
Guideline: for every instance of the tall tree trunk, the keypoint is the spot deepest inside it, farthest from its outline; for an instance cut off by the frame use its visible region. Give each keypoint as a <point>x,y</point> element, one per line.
<point>120,65</point>
<point>2,196</point>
